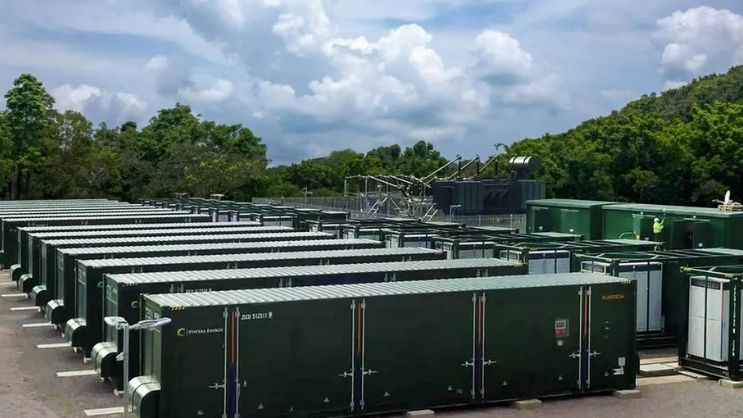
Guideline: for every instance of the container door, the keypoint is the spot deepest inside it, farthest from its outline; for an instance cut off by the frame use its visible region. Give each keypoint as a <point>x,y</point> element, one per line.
<point>296,359</point>
<point>541,220</point>
<point>417,352</point>
<point>570,221</point>
<point>531,343</point>
<point>204,355</point>
<point>701,235</point>
<point>610,344</point>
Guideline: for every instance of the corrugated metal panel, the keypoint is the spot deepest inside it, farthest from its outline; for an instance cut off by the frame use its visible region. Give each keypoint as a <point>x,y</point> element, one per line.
<point>108,215</point>
<point>676,210</point>
<point>166,238</point>
<point>165,231</point>
<point>484,263</point>
<point>726,251</point>
<point>286,294</point>
<point>194,259</point>
<point>206,225</point>
<point>186,247</point>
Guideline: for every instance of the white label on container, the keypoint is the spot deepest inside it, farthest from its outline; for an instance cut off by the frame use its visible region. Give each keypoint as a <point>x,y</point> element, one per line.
<point>622,362</point>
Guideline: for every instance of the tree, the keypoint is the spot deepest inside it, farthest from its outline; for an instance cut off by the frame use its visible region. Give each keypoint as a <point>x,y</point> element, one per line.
<point>29,107</point>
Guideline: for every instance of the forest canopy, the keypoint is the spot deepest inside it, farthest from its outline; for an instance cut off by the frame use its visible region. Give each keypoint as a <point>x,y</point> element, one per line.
<point>679,147</point>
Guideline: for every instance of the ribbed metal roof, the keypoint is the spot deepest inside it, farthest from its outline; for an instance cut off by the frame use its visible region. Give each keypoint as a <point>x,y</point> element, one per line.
<point>675,210</point>
<point>161,231</point>
<point>229,245</point>
<point>56,229</point>
<point>234,258</point>
<point>109,215</point>
<point>625,241</point>
<point>245,236</point>
<point>288,294</point>
<point>300,271</point>
<point>725,251</point>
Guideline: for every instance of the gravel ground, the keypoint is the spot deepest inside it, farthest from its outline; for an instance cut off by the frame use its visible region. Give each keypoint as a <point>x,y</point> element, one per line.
<point>29,387</point>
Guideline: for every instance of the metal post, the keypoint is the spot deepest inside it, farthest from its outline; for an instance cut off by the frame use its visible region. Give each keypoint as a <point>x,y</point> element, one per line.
<point>125,328</point>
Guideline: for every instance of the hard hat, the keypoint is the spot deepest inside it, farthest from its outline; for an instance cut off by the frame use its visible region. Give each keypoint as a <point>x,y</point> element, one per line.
<point>656,220</point>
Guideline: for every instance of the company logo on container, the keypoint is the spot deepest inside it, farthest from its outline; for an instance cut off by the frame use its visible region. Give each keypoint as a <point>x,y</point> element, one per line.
<point>617,296</point>
<point>184,332</point>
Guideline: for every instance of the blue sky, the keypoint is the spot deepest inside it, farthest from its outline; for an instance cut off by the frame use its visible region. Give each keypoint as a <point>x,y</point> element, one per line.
<point>311,76</point>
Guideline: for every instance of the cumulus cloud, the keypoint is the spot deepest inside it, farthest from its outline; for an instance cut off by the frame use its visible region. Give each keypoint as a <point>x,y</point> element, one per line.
<point>672,85</point>
<point>99,105</point>
<point>286,66</point>
<point>622,96</point>
<point>699,40</point>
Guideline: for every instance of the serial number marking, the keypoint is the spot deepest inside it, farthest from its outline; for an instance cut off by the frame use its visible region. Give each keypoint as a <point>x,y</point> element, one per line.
<point>254,316</point>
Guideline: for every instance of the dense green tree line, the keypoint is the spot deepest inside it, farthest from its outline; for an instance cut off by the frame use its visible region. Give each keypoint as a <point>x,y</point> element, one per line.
<point>679,147</point>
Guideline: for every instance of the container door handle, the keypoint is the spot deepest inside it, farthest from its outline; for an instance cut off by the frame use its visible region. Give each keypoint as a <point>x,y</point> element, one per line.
<point>575,354</point>
<point>346,374</point>
<point>489,362</point>
<point>468,364</point>
<point>368,372</point>
<point>595,353</point>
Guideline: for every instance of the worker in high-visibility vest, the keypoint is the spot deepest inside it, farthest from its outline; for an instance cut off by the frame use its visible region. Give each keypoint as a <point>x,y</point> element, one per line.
<point>658,229</point>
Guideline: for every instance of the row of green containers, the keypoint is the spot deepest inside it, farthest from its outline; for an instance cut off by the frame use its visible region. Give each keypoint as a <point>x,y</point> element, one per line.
<point>269,215</point>
<point>684,227</point>
<point>561,334</point>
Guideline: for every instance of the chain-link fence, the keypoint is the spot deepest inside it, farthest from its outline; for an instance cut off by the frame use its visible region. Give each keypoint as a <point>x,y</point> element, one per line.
<point>358,208</point>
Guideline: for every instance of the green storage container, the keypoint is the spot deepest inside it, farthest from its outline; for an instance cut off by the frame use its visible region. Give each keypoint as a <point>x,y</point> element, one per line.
<point>76,212</point>
<point>253,234</point>
<point>486,246</point>
<point>559,257</point>
<point>30,237</point>
<point>368,349</point>
<point>9,226</point>
<point>581,217</point>
<point>37,255</point>
<point>660,285</point>
<point>710,335</point>
<point>122,291</point>
<point>684,227</point>
<point>62,304</point>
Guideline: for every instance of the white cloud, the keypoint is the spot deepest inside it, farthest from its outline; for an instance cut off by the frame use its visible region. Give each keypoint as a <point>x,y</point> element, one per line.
<point>621,96</point>
<point>699,40</point>
<point>219,91</point>
<point>99,105</point>
<point>671,85</point>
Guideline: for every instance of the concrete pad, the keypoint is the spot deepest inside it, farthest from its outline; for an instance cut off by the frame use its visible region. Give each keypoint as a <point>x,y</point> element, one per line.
<point>422,412</point>
<point>731,384</point>
<point>656,360</point>
<point>39,325</point>
<point>116,410</point>
<point>7,284</point>
<point>77,373</point>
<point>527,404</point>
<point>627,394</point>
<point>662,380</point>
<point>13,295</point>
<point>693,375</point>
<point>53,345</point>
<point>655,370</point>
